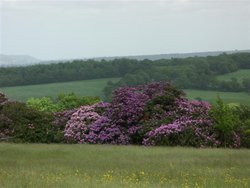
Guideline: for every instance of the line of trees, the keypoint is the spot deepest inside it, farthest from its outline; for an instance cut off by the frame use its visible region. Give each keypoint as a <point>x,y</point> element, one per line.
<point>69,71</point>
<point>191,73</point>
<point>188,73</point>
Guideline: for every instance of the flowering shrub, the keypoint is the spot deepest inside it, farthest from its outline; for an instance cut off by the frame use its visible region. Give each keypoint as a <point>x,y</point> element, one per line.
<point>5,130</point>
<point>103,131</point>
<point>61,118</point>
<point>189,125</point>
<point>153,114</point>
<point>3,99</point>
<point>78,126</point>
<point>122,121</point>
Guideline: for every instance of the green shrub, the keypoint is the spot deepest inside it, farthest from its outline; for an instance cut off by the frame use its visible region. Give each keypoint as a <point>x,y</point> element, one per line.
<point>63,102</point>
<point>243,112</point>
<point>43,104</point>
<point>24,124</point>
<point>71,100</point>
<point>226,122</point>
<point>246,138</point>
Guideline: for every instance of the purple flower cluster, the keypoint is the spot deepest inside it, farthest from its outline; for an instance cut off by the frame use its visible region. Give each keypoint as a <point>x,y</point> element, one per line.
<point>61,118</point>
<point>103,131</point>
<point>153,114</point>
<point>191,123</point>
<point>3,99</point>
<point>76,128</point>
<point>114,123</point>
<point>127,106</point>
<point>236,140</point>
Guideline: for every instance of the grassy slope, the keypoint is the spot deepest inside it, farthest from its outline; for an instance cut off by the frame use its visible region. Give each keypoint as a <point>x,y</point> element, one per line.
<point>240,75</point>
<point>211,96</point>
<point>34,165</point>
<point>95,87</point>
<point>84,88</point>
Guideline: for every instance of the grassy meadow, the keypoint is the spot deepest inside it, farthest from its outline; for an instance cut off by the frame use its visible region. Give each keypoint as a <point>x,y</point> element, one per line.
<point>95,87</point>
<point>38,165</point>
<point>240,75</point>
<point>211,96</point>
<point>84,88</point>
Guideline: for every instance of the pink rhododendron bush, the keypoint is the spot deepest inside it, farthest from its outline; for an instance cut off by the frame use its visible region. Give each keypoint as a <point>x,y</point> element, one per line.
<point>153,114</point>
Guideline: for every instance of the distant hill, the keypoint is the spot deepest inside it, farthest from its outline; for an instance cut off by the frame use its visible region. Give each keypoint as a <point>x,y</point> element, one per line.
<point>17,60</point>
<point>23,60</point>
<point>157,56</point>
<point>173,55</point>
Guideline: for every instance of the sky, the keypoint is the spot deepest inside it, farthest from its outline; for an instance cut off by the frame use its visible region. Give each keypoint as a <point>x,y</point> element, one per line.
<point>66,29</point>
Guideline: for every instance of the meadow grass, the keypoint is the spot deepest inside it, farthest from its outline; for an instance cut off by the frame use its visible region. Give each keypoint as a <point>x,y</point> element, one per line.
<point>61,165</point>
<point>240,75</point>
<point>95,87</point>
<point>211,96</point>
<point>84,88</point>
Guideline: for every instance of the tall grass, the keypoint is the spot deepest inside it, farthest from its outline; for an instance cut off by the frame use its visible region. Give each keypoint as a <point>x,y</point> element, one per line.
<point>37,165</point>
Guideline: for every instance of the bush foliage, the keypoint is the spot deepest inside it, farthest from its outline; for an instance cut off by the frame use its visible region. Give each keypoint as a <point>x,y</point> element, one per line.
<point>157,114</point>
<point>20,123</point>
<point>152,114</point>
<point>61,103</point>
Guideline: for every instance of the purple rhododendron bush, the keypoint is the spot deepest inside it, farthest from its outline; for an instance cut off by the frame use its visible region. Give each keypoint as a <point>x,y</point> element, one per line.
<point>150,115</point>
<point>153,114</point>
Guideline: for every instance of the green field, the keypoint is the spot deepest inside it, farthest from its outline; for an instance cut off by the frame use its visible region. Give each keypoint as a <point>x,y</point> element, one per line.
<point>240,75</point>
<point>83,88</point>
<point>95,87</point>
<point>37,165</point>
<point>211,96</point>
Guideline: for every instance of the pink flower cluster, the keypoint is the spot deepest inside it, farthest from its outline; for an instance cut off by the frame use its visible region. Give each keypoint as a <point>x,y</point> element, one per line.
<point>77,126</point>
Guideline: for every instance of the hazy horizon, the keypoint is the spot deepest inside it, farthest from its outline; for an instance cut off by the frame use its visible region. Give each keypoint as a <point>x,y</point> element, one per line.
<point>81,29</point>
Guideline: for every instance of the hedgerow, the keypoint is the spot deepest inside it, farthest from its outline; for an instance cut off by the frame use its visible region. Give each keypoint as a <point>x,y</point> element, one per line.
<point>152,114</point>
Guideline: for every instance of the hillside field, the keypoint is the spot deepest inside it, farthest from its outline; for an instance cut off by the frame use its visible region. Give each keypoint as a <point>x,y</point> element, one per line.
<point>41,165</point>
<point>84,88</point>
<point>240,75</point>
<point>95,87</point>
<point>211,96</point>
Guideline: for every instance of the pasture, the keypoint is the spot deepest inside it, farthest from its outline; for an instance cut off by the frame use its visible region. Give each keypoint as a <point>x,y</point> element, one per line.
<point>240,75</point>
<point>95,87</point>
<point>211,96</point>
<point>60,165</point>
<point>84,88</point>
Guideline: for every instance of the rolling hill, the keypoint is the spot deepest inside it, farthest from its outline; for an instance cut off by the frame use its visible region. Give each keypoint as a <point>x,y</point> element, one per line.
<point>17,60</point>
<point>23,60</point>
<point>240,75</point>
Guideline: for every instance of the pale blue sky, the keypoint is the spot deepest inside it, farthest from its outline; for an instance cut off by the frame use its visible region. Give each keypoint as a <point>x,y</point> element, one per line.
<point>77,29</point>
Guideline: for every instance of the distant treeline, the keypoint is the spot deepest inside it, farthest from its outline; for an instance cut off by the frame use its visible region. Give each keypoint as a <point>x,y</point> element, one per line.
<point>191,73</point>
<point>67,71</point>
